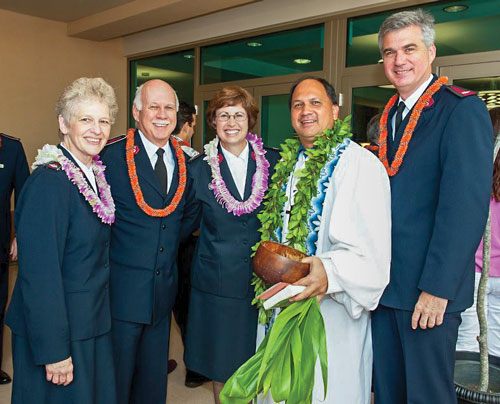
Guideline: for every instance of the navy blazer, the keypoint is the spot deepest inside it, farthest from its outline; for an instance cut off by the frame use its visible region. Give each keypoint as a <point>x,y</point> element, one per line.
<point>61,292</point>
<point>14,172</point>
<point>222,265</point>
<point>143,248</point>
<point>440,200</point>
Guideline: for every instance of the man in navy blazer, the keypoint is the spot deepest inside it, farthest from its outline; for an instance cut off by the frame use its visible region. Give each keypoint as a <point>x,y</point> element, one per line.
<point>437,148</point>
<point>146,184</point>
<point>14,172</point>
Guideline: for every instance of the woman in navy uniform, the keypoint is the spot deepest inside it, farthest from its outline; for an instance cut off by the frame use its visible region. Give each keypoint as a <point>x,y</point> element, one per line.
<point>60,314</point>
<point>226,184</point>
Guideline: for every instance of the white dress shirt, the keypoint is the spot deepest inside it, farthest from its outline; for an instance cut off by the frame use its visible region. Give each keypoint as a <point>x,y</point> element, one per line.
<point>238,166</point>
<point>168,157</point>
<point>86,170</point>
<point>410,102</point>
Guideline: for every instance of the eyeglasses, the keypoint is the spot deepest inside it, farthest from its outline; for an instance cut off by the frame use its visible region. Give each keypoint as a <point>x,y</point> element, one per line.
<point>238,117</point>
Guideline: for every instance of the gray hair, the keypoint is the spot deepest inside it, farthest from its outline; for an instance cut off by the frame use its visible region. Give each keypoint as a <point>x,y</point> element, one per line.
<point>86,89</point>
<point>138,98</point>
<point>404,19</point>
<point>373,130</point>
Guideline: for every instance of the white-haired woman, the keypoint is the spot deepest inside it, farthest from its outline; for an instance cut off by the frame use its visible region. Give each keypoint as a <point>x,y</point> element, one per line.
<point>60,314</point>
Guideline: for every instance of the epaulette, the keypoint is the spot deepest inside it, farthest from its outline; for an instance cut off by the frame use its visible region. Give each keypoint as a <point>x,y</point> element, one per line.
<point>115,140</point>
<point>276,149</point>
<point>196,157</point>
<point>54,165</point>
<point>460,92</point>
<point>10,137</point>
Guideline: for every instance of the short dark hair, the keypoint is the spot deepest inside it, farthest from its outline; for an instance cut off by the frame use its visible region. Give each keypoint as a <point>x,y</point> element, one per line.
<point>185,114</point>
<point>373,129</point>
<point>330,90</point>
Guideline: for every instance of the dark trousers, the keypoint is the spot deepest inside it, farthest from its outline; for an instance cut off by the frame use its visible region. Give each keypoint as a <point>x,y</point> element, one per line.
<point>4,292</point>
<point>184,260</point>
<point>141,361</point>
<point>413,366</point>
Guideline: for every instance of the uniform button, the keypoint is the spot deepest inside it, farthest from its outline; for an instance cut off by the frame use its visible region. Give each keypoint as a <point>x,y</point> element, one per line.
<point>162,249</point>
<point>106,265</point>
<point>244,224</point>
<point>163,226</point>
<point>106,243</point>
<point>245,260</point>
<point>157,272</point>
<point>244,242</point>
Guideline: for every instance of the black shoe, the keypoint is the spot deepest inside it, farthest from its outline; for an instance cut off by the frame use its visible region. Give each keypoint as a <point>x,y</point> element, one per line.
<point>172,364</point>
<point>194,379</point>
<point>4,378</point>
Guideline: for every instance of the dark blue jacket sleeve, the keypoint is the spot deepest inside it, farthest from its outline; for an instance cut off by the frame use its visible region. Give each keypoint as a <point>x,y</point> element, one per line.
<point>42,223</point>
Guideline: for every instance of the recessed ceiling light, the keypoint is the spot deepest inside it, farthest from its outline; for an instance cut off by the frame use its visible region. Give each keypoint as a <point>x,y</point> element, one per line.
<point>456,8</point>
<point>189,56</point>
<point>254,44</point>
<point>302,61</point>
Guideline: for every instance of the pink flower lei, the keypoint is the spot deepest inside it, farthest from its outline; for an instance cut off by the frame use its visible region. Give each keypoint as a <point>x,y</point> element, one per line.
<point>104,207</point>
<point>259,179</point>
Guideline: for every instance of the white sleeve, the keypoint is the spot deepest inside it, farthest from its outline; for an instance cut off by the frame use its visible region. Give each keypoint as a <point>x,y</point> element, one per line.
<point>358,253</point>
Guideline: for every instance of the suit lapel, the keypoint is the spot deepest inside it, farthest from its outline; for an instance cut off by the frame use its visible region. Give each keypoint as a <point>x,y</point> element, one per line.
<point>251,168</point>
<point>144,169</point>
<point>70,157</point>
<point>228,177</point>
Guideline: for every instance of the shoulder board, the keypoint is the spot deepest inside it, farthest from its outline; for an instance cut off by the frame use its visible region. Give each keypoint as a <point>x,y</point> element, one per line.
<point>10,137</point>
<point>196,157</point>
<point>272,148</point>
<point>115,140</point>
<point>460,92</point>
<point>54,165</point>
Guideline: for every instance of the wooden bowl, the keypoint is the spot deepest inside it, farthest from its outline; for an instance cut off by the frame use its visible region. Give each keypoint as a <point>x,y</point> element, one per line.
<point>274,262</point>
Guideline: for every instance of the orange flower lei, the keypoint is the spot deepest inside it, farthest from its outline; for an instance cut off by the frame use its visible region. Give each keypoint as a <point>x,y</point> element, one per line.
<point>408,132</point>
<point>134,180</point>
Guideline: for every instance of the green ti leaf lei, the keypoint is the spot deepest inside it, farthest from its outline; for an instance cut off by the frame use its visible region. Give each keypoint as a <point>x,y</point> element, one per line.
<point>270,216</point>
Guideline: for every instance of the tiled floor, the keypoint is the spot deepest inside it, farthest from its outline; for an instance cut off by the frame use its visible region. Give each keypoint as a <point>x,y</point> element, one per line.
<point>177,392</point>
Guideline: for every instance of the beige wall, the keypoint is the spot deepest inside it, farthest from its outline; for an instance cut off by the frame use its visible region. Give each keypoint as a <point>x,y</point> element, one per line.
<point>37,61</point>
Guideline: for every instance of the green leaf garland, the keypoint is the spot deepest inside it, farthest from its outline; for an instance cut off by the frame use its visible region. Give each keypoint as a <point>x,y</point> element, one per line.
<point>270,216</point>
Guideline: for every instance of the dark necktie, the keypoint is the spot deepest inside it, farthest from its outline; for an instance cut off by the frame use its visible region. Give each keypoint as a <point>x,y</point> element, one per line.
<point>161,170</point>
<point>399,116</point>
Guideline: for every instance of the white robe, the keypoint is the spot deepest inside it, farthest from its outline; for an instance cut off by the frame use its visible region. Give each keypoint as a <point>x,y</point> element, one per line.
<point>354,244</point>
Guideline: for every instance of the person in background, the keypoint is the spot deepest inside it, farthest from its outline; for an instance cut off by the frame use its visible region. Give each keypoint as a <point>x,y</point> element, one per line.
<point>184,130</point>
<point>372,134</point>
<point>226,186</point>
<point>60,311</point>
<point>436,144</point>
<point>14,172</point>
<point>469,329</point>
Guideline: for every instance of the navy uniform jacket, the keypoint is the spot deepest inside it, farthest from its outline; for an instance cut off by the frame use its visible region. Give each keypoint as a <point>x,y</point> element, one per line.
<point>440,200</point>
<point>143,248</point>
<point>13,174</point>
<point>224,247</point>
<point>61,293</point>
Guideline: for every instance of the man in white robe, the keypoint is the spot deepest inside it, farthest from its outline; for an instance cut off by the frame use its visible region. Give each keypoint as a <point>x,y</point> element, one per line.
<point>351,267</point>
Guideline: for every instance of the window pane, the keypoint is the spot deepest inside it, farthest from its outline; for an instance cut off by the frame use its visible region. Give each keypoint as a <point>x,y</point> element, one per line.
<point>487,88</point>
<point>287,52</point>
<point>275,120</point>
<point>366,103</point>
<point>475,29</point>
<point>175,68</point>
